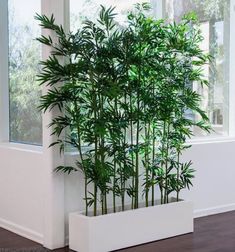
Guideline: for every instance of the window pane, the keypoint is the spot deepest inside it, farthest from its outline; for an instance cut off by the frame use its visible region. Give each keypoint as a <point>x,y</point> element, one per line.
<point>214,20</point>
<point>24,54</point>
<point>80,10</point>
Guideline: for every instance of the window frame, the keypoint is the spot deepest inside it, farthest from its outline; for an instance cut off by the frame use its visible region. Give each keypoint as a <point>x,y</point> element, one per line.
<point>231,86</point>
<point>4,90</point>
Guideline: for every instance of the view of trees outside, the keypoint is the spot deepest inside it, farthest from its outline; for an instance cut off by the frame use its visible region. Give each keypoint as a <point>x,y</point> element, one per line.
<point>24,56</point>
<point>214,19</point>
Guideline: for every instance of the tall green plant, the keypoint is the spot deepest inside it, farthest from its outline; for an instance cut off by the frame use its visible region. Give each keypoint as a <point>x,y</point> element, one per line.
<point>125,93</point>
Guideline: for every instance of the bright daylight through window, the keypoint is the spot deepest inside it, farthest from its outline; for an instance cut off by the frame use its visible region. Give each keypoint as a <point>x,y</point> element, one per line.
<point>80,10</point>
<point>24,54</point>
<point>214,20</point>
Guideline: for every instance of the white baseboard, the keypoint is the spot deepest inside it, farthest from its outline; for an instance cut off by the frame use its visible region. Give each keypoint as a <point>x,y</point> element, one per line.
<point>22,231</point>
<point>214,210</point>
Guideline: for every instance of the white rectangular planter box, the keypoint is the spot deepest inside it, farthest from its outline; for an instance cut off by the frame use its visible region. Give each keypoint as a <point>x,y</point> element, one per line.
<point>132,227</point>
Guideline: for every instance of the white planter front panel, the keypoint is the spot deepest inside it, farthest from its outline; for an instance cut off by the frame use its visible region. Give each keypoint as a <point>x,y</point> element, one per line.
<point>124,229</point>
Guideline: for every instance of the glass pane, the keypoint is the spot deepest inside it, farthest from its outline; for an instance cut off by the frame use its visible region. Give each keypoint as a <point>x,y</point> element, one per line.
<point>82,9</point>
<point>24,54</point>
<point>214,20</point>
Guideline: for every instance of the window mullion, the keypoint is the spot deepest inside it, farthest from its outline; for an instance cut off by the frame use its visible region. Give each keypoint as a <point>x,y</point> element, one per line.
<point>54,229</point>
<point>231,95</point>
<point>4,90</point>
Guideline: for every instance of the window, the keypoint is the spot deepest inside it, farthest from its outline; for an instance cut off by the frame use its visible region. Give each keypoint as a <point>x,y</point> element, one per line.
<point>214,21</point>
<point>80,10</point>
<point>24,54</point>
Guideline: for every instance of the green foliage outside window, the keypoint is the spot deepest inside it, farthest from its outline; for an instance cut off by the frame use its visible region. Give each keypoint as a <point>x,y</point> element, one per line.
<point>24,52</point>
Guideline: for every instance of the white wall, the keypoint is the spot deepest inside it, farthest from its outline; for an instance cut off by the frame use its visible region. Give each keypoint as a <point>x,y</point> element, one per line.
<point>214,187</point>
<point>21,190</point>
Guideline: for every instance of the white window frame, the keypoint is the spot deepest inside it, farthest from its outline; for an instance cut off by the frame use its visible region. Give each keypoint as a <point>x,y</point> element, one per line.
<point>231,95</point>
<point>4,89</point>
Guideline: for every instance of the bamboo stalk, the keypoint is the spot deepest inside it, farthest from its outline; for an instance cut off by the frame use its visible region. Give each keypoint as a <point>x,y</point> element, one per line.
<point>132,154</point>
<point>137,160</point>
<point>146,167</point>
<point>166,164</point>
<point>178,160</point>
<point>124,163</point>
<point>96,153</point>
<point>105,203</point>
<point>115,161</point>
<point>164,161</point>
<point>114,186</point>
<point>81,156</point>
<point>138,130</point>
<point>121,182</point>
<point>95,199</point>
<point>153,157</point>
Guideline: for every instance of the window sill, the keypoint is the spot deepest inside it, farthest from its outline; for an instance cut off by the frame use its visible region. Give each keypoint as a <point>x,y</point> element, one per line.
<point>208,140</point>
<point>21,147</point>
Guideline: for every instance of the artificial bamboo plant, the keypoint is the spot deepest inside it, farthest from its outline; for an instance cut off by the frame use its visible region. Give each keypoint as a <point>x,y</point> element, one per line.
<point>125,92</point>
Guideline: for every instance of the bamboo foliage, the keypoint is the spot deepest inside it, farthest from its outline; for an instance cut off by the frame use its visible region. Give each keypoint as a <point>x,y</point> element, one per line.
<point>125,93</point>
